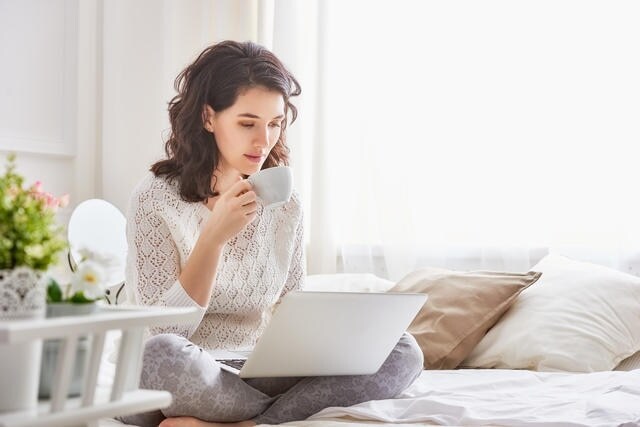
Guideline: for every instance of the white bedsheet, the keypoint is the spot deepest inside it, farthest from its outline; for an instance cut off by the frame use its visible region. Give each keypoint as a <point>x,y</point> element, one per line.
<point>507,398</point>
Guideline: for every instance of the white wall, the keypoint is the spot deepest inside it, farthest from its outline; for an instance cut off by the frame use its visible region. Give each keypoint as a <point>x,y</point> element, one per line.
<point>38,89</point>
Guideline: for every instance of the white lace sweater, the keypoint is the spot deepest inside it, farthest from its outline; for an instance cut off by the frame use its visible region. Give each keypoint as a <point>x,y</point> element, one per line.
<point>256,268</point>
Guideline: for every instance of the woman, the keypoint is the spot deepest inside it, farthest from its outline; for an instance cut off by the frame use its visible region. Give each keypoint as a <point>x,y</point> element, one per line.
<point>198,238</point>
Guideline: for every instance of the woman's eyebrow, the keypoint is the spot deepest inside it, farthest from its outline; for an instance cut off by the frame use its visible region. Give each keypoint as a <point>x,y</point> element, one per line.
<point>253,116</point>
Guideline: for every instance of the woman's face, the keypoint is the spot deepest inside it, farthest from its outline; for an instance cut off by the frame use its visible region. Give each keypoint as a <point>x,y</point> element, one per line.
<point>247,131</point>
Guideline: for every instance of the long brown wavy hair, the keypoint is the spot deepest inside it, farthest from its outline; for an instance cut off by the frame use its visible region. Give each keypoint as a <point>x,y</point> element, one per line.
<point>216,78</point>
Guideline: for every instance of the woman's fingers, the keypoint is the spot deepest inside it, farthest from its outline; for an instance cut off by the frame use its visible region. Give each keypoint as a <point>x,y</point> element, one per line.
<point>239,188</point>
<point>246,198</point>
<point>242,193</point>
<point>251,217</point>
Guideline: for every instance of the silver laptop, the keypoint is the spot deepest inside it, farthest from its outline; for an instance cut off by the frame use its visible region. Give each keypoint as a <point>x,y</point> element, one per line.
<point>327,333</point>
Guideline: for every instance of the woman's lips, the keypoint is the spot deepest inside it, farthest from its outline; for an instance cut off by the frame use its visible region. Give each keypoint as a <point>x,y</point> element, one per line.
<point>254,159</point>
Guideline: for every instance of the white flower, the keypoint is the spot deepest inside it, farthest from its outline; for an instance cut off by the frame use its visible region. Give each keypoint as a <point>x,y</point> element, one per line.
<point>89,278</point>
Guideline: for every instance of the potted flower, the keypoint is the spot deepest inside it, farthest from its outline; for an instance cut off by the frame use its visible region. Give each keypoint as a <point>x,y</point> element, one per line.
<point>86,285</point>
<point>30,242</point>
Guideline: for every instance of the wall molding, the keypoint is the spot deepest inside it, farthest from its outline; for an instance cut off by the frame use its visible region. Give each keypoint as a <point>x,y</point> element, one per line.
<point>44,147</point>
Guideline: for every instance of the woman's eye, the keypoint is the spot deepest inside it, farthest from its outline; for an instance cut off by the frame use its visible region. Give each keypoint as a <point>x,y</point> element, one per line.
<point>275,124</point>
<point>246,125</point>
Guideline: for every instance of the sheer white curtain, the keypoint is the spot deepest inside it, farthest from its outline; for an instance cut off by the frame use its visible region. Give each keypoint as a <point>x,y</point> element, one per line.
<point>458,134</point>
<point>475,134</point>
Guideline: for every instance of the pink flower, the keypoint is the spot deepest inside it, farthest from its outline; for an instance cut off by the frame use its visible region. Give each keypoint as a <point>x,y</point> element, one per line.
<point>50,201</point>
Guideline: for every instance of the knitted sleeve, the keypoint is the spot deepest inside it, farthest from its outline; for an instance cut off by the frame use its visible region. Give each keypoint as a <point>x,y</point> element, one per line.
<point>297,268</point>
<point>153,260</point>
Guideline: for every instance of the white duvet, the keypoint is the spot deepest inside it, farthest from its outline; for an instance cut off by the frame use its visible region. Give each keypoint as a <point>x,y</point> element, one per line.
<point>505,398</point>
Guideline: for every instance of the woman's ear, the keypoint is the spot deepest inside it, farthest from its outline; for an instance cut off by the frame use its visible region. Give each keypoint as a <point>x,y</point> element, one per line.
<point>207,118</point>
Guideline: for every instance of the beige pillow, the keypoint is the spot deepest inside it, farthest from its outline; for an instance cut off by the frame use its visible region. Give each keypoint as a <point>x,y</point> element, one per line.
<point>461,307</point>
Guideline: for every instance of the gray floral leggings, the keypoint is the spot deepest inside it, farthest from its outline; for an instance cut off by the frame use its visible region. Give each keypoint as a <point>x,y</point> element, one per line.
<point>201,389</point>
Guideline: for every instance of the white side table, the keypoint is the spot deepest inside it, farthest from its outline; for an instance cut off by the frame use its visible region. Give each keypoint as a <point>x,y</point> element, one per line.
<point>124,397</point>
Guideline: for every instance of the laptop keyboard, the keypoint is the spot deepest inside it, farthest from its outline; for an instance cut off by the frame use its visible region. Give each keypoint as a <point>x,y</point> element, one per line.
<point>234,363</point>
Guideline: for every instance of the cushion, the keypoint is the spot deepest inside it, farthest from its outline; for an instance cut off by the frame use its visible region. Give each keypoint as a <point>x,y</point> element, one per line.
<point>460,309</point>
<point>579,317</point>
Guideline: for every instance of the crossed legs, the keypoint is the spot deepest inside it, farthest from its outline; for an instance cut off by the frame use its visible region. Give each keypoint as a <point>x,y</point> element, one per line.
<point>204,394</point>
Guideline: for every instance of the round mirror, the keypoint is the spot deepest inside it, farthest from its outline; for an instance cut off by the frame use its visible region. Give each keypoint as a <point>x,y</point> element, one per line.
<point>99,227</point>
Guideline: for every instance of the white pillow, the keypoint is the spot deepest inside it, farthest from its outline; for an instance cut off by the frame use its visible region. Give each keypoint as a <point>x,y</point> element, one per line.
<point>578,317</point>
<point>343,282</point>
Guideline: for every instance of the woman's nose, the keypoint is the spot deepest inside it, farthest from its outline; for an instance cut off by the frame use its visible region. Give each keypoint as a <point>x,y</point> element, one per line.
<point>262,139</point>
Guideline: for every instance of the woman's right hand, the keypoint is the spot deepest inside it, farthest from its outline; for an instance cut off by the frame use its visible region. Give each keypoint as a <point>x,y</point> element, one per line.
<point>234,209</point>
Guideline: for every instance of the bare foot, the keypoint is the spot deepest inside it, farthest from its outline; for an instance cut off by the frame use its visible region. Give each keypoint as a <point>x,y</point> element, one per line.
<point>195,422</point>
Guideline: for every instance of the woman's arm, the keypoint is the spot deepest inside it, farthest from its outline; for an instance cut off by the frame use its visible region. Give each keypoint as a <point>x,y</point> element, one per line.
<point>232,212</point>
<point>297,268</point>
<point>153,261</point>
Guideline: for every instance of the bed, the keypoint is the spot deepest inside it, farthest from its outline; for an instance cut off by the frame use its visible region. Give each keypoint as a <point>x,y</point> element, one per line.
<point>567,383</point>
<point>558,346</point>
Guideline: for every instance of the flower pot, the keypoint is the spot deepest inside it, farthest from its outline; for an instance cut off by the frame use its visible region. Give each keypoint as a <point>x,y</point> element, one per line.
<point>60,309</point>
<point>51,350</point>
<point>22,297</point>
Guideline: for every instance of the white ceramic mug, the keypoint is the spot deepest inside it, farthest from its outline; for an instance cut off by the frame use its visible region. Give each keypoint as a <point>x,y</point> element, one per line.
<point>273,186</point>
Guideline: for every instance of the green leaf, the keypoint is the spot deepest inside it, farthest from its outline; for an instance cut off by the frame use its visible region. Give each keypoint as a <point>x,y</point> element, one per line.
<point>79,298</point>
<point>54,293</point>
